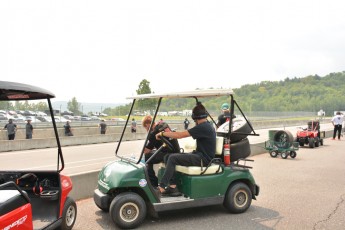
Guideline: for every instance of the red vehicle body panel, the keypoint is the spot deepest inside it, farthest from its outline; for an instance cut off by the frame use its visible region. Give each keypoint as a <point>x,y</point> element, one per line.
<point>20,218</point>
<point>66,187</point>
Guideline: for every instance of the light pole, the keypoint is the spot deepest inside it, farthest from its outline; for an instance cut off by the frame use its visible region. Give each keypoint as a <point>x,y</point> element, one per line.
<point>60,110</point>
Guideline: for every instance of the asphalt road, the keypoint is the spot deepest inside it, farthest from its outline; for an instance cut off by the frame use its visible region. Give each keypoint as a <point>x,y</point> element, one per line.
<point>307,192</point>
<point>85,158</point>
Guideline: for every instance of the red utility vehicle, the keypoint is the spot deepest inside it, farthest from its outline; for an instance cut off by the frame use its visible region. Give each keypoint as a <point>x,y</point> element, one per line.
<point>34,199</point>
<point>311,136</point>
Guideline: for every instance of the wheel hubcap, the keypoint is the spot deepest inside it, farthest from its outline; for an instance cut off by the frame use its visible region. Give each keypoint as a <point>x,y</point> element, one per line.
<point>241,198</point>
<point>70,215</point>
<point>129,212</point>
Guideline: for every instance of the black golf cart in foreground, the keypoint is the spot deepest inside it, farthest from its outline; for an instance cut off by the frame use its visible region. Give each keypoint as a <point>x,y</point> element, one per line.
<point>35,199</point>
<point>124,189</point>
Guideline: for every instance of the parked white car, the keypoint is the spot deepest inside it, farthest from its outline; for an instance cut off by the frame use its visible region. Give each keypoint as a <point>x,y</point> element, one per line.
<point>61,119</point>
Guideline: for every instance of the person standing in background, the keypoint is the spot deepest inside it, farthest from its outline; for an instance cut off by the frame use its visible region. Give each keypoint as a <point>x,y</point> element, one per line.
<point>29,129</point>
<point>11,129</point>
<point>337,122</point>
<point>186,123</point>
<point>102,126</point>
<point>133,126</point>
<point>68,129</point>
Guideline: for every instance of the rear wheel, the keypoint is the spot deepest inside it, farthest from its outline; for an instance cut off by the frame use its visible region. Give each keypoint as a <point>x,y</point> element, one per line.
<point>128,210</point>
<point>69,214</point>
<point>301,143</point>
<point>293,154</point>
<point>238,198</point>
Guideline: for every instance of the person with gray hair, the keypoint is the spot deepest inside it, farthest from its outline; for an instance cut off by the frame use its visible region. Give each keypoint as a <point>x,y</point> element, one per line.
<point>11,129</point>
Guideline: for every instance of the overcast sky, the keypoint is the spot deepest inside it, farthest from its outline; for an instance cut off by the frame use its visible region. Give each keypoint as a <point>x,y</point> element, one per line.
<point>99,51</point>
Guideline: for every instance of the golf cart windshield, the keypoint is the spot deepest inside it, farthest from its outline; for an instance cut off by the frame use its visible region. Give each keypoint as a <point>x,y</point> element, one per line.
<point>13,92</point>
<point>188,100</point>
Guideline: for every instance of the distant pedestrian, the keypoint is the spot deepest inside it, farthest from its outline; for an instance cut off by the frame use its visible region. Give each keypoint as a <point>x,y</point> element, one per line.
<point>68,129</point>
<point>186,123</point>
<point>11,129</point>
<point>337,122</point>
<point>133,126</point>
<point>103,127</point>
<point>29,129</point>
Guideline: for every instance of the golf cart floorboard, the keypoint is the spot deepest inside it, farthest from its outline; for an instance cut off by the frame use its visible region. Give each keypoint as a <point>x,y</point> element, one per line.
<point>181,202</point>
<point>41,223</point>
<point>169,199</point>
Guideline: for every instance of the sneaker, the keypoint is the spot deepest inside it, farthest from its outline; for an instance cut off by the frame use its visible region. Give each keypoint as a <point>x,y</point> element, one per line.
<point>169,191</point>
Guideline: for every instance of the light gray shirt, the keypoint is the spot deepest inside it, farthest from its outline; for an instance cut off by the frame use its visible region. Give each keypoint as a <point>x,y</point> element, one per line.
<point>11,128</point>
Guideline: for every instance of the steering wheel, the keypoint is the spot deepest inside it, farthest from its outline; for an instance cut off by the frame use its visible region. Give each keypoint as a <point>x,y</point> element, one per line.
<point>167,143</point>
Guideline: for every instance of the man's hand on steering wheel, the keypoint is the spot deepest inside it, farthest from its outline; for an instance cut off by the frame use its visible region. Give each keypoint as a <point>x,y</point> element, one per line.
<point>160,136</point>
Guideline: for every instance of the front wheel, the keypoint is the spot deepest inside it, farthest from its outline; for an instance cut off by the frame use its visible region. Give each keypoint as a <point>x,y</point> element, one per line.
<point>128,210</point>
<point>311,143</point>
<point>238,198</point>
<point>69,214</point>
<point>273,154</point>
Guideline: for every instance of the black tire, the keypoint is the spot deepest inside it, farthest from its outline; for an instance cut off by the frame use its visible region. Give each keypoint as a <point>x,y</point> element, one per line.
<point>317,142</point>
<point>273,154</point>
<point>238,198</point>
<point>239,150</point>
<point>311,143</point>
<point>301,143</point>
<point>128,210</point>
<point>283,139</point>
<point>293,154</point>
<point>69,214</point>
<point>240,125</point>
<point>284,155</point>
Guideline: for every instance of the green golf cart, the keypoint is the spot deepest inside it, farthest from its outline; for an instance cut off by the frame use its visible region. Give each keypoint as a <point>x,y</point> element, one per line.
<point>124,189</point>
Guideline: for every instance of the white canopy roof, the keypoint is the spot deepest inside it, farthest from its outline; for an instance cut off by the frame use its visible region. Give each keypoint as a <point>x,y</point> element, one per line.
<point>186,94</point>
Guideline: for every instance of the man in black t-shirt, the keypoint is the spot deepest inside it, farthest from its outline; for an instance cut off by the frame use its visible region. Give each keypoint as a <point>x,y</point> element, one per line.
<point>205,136</point>
<point>153,144</point>
<point>103,127</point>
<point>11,129</point>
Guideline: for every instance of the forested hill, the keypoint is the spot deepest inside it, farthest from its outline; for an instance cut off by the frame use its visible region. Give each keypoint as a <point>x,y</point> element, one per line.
<point>310,93</point>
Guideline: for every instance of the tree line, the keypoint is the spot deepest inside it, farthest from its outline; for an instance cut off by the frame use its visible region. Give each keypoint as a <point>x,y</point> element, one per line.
<point>311,93</point>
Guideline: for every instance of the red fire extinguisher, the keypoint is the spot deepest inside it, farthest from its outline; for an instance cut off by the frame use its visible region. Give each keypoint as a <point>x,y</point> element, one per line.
<point>227,152</point>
